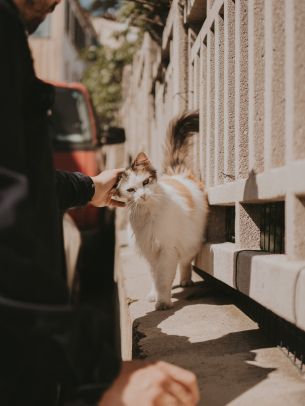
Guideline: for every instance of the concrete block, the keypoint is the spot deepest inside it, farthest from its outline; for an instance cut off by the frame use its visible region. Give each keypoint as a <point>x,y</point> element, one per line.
<point>270,280</point>
<point>218,260</point>
<point>273,281</point>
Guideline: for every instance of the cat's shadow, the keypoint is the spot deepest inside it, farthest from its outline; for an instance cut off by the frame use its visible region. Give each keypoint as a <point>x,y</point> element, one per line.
<point>221,362</point>
<point>197,290</point>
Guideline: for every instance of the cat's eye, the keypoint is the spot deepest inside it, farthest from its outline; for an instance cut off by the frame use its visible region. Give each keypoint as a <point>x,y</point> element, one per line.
<point>131,190</point>
<point>146,182</point>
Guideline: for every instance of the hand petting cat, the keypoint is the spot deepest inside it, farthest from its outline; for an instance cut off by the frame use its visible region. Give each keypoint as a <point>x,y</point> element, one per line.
<point>104,184</point>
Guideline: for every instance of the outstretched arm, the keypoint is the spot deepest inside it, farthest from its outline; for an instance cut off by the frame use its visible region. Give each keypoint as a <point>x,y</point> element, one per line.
<point>76,189</point>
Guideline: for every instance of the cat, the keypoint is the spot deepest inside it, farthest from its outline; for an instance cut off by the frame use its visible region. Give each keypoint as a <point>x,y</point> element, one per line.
<point>168,213</point>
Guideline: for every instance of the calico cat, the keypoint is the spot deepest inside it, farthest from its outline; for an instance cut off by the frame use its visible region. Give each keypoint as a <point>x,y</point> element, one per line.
<point>168,213</point>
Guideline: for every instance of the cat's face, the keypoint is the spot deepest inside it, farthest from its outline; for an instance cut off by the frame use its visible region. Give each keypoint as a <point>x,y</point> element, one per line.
<point>138,181</point>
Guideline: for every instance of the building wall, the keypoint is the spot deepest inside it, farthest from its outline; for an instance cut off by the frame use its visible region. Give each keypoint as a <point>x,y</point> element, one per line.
<point>47,48</point>
<point>57,44</point>
<point>241,63</point>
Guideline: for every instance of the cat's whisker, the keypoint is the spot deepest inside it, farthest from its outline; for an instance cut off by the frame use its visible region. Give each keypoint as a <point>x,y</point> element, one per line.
<point>131,204</point>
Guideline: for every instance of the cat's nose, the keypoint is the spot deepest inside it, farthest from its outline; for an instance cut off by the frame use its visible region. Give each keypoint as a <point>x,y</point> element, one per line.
<point>143,197</point>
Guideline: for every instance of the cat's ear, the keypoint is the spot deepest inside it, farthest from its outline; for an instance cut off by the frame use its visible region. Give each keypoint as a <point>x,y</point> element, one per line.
<point>142,161</point>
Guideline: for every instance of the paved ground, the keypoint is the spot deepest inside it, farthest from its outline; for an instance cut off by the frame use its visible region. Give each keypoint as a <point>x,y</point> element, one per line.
<point>208,334</point>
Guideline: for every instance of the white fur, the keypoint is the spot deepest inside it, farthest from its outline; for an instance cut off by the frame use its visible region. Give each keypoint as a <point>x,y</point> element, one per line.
<point>168,232</point>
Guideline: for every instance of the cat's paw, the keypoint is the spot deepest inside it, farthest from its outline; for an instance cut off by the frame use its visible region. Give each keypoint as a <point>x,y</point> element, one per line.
<point>163,305</point>
<point>151,297</point>
<point>186,283</point>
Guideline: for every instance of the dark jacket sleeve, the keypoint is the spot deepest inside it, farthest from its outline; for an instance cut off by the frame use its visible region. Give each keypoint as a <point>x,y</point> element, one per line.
<point>73,189</point>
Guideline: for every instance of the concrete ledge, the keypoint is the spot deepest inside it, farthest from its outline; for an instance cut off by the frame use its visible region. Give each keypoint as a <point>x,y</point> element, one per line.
<point>271,280</point>
<point>274,184</point>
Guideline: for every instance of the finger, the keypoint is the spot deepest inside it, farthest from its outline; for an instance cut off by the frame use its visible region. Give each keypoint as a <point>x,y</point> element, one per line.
<point>113,183</point>
<point>166,399</point>
<point>118,178</point>
<point>112,177</point>
<point>183,376</point>
<point>116,203</point>
<point>120,170</point>
<point>180,392</point>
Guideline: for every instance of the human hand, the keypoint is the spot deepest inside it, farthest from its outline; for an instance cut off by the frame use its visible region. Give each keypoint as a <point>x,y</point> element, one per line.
<point>104,183</point>
<point>158,383</point>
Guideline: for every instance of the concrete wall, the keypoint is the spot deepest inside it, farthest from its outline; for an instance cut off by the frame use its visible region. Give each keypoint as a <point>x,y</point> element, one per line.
<point>242,64</point>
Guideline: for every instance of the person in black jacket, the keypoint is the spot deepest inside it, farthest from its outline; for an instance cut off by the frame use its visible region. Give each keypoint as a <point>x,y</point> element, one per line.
<point>53,353</point>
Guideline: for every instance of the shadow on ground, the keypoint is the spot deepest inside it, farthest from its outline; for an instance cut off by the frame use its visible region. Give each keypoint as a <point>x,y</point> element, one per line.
<point>224,365</point>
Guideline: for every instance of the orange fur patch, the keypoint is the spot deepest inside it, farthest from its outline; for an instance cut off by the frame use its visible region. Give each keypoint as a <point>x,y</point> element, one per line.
<point>182,190</point>
<point>199,183</point>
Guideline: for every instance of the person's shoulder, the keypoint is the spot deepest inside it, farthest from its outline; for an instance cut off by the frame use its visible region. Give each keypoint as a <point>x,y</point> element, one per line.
<point>11,26</point>
<point>8,13</point>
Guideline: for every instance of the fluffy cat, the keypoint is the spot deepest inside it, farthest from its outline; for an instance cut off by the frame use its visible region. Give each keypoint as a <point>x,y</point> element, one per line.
<point>168,213</point>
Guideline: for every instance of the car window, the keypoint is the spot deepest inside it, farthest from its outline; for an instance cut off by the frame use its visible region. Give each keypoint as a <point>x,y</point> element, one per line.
<point>69,120</point>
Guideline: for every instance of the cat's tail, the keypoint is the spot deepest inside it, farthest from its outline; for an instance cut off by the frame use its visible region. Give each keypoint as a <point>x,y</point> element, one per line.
<point>179,132</point>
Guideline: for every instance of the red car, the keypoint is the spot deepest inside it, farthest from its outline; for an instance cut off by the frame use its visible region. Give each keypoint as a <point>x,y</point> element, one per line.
<point>74,134</point>
<point>77,143</point>
<point>77,140</point>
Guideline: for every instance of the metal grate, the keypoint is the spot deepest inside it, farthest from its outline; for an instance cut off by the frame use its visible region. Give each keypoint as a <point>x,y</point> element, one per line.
<point>272,227</point>
<point>230,224</point>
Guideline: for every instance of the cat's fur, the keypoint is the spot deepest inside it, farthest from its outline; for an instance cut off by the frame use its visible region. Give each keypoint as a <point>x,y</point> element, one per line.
<point>167,213</point>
